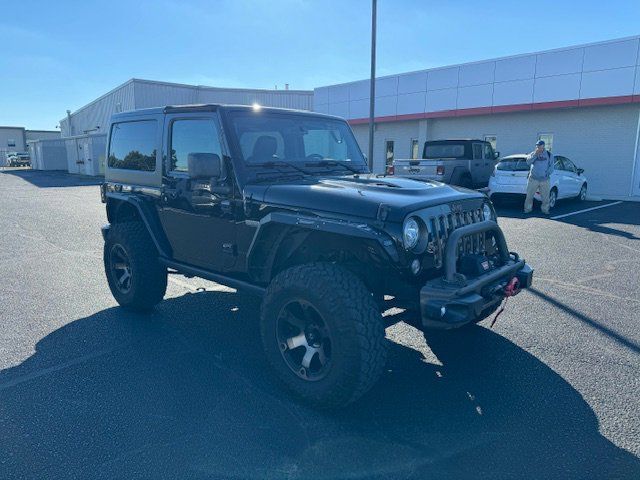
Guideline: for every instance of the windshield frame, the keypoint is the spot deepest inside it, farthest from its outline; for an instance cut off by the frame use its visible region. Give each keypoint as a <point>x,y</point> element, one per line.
<point>247,172</point>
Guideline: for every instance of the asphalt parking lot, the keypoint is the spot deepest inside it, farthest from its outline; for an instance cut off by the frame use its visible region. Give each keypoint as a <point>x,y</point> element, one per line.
<point>88,390</point>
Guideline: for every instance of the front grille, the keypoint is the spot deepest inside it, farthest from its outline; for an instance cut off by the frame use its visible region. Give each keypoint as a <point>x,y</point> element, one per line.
<point>439,227</point>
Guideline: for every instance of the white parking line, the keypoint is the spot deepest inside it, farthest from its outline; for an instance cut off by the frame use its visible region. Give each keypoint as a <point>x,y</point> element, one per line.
<point>585,210</point>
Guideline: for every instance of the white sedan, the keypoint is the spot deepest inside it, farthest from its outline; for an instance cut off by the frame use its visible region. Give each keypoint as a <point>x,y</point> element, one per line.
<point>510,177</point>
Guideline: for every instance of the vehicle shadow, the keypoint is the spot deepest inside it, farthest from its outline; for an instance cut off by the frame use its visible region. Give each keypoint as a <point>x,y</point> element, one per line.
<point>52,178</point>
<point>599,220</point>
<point>512,206</point>
<point>185,392</point>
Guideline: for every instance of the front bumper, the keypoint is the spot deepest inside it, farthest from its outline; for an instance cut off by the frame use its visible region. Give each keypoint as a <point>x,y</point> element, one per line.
<point>452,301</point>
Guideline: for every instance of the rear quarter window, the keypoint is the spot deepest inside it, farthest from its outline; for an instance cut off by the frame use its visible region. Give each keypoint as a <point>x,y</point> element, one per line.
<point>448,150</point>
<point>132,145</point>
<point>513,165</point>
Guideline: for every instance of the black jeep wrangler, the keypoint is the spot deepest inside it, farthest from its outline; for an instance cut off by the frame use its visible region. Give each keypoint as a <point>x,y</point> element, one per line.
<point>281,203</point>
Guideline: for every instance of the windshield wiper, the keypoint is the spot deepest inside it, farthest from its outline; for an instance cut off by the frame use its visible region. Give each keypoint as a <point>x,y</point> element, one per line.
<point>277,163</point>
<point>334,163</point>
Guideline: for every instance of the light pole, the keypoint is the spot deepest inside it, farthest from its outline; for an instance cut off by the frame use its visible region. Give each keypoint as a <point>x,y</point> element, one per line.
<point>372,86</point>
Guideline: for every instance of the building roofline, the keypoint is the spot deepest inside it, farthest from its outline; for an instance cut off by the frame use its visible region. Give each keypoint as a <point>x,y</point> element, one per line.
<point>495,59</point>
<point>12,127</point>
<point>226,89</point>
<point>185,85</point>
<point>113,90</point>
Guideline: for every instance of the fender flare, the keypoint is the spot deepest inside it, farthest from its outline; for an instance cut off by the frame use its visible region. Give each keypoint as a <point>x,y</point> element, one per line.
<point>149,217</point>
<point>317,224</point>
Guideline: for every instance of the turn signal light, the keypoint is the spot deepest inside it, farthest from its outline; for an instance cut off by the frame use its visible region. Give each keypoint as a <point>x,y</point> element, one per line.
<point>391,170</point>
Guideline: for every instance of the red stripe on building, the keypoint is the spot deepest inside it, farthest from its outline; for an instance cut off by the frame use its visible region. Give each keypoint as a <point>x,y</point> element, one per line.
<point>585,102</point>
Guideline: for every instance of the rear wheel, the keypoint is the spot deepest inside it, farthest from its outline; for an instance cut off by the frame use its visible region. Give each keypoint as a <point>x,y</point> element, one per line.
<point>323,334</point>
<point>465,181</point>
<point>136,278</point>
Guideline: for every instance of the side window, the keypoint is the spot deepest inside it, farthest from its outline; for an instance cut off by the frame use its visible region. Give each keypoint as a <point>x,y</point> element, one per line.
<point>558,164</point>
<point>195,135</point>
<point>488,151</point>
<point>477,151</point>
<point>568,165</point>
<point>133,145</point>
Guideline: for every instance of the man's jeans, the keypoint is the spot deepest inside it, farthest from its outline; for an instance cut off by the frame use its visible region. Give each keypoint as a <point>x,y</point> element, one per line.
<point>533,186</point>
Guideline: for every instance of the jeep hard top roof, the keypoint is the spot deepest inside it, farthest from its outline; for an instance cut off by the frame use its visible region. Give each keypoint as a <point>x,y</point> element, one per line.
<point>212,107</point>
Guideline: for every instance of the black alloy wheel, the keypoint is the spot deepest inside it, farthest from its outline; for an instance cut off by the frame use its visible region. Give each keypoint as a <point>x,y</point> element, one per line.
<point>304,340</point>
<point>120,266</point>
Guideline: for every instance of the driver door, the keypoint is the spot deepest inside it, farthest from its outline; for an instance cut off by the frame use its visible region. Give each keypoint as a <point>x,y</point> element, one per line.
<point>198,221</point>
<point>573,181</point>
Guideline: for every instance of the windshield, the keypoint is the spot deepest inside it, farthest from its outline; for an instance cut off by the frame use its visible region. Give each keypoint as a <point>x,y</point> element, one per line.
<point>444,150</point>
<point>513,165</point>
<point>268,139</point>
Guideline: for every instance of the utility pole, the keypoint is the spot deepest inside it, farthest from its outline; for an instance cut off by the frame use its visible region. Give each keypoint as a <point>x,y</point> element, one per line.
<point>372,86</point>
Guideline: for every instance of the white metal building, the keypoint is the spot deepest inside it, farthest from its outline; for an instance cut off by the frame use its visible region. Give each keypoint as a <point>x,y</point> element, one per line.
<point>48,154</point>
<point>584,101</point>
<point>15,139</point>
<point>135,93</point>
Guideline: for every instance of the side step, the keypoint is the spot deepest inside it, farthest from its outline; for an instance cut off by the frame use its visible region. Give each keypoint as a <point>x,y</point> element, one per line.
<point>191,271</point>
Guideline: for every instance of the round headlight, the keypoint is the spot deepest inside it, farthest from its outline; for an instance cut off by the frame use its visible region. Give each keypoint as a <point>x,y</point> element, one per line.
<point>410,233</point>
<point>487,214</point>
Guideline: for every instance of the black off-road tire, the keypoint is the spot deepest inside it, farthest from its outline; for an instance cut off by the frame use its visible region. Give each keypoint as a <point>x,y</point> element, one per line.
<point>463,180</point>
<point>148,277</point>
<point>358,346</point>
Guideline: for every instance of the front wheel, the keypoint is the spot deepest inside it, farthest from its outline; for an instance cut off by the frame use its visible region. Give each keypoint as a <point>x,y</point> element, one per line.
<point>136,278</point>
<point>583,193</point>
<point>553,197</point>
<point>323,334</point>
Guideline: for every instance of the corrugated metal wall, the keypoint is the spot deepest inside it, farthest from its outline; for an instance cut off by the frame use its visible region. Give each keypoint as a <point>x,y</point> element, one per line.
<point>50,154</point>
<point>153,94</point>
<point>136,94</point>
<point>98,112</point>
<point>86,154</point>
<point>297,99</point>
<point>41,134</point>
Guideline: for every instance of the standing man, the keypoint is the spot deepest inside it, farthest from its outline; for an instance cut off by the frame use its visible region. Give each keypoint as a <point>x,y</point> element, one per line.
<point>541,167</point>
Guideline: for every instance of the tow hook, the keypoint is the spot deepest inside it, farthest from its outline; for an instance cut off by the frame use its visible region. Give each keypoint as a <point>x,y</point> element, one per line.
<point>512,288</point>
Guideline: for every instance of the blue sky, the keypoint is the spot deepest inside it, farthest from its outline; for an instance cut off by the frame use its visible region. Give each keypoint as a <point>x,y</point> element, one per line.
<point>62,54</point>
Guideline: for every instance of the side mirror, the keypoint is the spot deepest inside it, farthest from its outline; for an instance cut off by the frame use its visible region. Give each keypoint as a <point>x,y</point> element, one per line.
<point>204,166</point>
<point>496,155</point>
<point>580,171</point>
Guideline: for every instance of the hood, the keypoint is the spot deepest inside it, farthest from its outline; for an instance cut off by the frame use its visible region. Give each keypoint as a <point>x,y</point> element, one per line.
<point>358,196</point>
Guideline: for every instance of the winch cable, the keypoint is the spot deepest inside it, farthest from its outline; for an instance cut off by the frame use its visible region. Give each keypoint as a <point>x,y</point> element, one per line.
<point>512,288</point>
